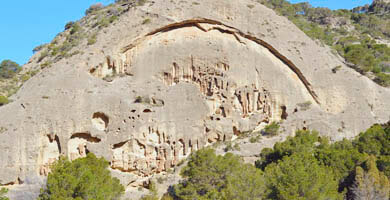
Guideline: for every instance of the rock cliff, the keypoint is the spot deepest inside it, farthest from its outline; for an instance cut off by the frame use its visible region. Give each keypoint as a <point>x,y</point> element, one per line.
<point>146,95</point>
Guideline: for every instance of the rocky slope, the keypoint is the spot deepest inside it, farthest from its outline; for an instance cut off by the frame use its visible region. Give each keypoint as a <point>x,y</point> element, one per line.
<point>170,77</point>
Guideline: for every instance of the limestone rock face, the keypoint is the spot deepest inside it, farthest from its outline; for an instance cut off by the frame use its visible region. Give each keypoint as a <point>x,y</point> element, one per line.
<point>146,95</point>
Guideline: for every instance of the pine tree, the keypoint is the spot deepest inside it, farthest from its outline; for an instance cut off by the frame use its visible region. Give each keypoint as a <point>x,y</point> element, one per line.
<point>211,176</point>
<point>370,183</point>
<point>81,179</point>
<point>300,177</point>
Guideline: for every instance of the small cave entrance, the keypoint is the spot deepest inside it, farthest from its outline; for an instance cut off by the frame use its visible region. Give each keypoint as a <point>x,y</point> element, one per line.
<point>236,131</point>
<point>147,110</point>
<point>77,144</point>
<point>50,151</point>
<point>284,112</point>
<point>100,121</point>
<point>86,136</point>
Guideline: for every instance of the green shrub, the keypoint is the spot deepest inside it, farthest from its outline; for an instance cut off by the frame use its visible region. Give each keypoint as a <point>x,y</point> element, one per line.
<point>104,22</point>
<point>3,100</point>
<point>8,69</point>
<point>84,178</point>
<point>255,139</point>
<point>383,79</point>
<point>92,39</point>
<point>43,55</point>
<point>3,192</point>
<point>336,69</point>
<point>272,129</point>
<point>142,99</point>
<point>75,28</point>
<point>3,129</point>
<point>25,77</point>
<point>46,64</point>
<point>113,18</point>
<point>228,147</point>
<point>69,25</point>
<point>146,21</point>
<point>140,2</point>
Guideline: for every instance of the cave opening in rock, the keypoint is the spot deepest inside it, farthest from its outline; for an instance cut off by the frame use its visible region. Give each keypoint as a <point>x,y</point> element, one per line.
<point>86,136</point>
<point>100,121</point>
<point>147,110</point>
<point>284,112</point>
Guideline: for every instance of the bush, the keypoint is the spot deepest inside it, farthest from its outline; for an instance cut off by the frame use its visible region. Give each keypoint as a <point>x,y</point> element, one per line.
<point>43,55</point>
<point>135,2</point>
<point>25,77</point>
<point>45,64</point>
<point>3,100</point>
<point>104,22</point>
<point>146,21</point>
<point>383,79</point>
<point>272,129</point>
<point>92,39</point>
<point>306,166</point>
<point>69,25</point>
<point>8,69</point>
<point>255,139</point>
<point>3,192</point>
<point>84,178</point>
<point>113,18</point>
<point>337,68</point>
<point>75,28</point>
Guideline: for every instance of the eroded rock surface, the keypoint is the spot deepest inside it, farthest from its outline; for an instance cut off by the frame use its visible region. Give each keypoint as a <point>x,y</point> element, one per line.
<point>147,95</point>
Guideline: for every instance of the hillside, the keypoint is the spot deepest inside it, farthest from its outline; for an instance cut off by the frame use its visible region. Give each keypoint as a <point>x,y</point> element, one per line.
<point>360,36</point>
<point>145,84</point>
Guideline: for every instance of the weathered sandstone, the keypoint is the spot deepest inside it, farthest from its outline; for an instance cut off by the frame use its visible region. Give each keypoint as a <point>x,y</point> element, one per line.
<point>147,95</point>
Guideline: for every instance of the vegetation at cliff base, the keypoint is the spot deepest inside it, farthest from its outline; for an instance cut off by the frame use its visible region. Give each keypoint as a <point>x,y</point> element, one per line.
<point>208,176</point>
<point>81,179</point>
<point>306,166</point>
<point>370,183</point>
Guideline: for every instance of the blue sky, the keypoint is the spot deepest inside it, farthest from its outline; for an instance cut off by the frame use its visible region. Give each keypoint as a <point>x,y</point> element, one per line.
<point>335,4</point>
<point>27,24</point>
